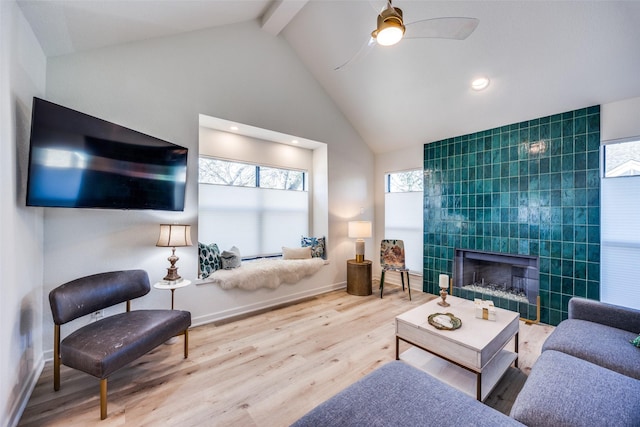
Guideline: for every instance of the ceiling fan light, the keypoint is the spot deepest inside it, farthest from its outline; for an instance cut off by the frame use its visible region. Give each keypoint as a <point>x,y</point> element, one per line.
<point>390,34</point>
<point>390,29</point>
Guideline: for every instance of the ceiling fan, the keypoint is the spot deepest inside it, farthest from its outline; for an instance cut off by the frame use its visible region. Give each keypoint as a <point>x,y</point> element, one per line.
<point>391,29</point>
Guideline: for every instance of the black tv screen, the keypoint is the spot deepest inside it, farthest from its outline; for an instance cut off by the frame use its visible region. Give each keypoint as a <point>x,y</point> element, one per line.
<point>80,161</point>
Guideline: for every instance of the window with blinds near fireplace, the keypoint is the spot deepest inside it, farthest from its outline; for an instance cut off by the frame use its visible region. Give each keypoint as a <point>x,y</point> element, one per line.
<point>403,201</point>
<point>620,223</point>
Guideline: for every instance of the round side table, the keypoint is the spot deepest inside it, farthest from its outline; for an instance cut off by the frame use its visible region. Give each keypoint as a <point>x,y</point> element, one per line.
<point>172,286</point>
<point>358,277</point>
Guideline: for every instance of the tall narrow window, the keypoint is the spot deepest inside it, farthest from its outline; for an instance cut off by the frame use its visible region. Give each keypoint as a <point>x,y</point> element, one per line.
<point>403,214</point>
<point>256,208</point>
<point>620,224</point>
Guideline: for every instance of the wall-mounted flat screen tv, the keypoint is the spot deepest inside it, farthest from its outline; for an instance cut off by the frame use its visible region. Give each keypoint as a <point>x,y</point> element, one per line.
<point>80,161</point>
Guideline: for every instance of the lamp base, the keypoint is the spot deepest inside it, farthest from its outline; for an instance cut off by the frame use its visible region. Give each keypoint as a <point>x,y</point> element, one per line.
<point>360,250</point>
<point>172,275</point>
<point>172,272</point>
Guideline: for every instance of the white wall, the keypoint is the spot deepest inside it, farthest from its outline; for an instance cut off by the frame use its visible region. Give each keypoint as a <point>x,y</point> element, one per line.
<point>22,75</point>
<point>620,120</point>
<point>159,87</point>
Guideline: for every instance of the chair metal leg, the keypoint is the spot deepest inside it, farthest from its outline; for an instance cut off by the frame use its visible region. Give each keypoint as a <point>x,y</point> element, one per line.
<point>409,286</point>
<point>381,283</point>
<point>186,343</point>
<point>56,357</point>
<point>402,279</point>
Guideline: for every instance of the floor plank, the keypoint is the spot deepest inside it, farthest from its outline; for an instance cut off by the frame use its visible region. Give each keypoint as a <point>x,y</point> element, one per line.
<point>263,370</point>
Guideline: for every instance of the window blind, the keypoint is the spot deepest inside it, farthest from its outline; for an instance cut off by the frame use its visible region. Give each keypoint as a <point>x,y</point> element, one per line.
<point>620,241</point>
<point>257,221</point>
<point>403,220</point>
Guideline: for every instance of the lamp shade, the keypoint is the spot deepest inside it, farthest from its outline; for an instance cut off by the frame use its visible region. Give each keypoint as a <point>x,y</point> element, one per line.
<point>359,229</point>
<point>174,235</point>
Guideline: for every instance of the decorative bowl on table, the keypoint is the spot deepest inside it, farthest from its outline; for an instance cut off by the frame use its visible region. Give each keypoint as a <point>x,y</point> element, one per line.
<point>444,321</point>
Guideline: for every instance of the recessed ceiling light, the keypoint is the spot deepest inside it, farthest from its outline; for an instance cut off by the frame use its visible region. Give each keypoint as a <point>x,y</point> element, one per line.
<point>295,141</point>
<point>480,83</point>
<point>234,128</point>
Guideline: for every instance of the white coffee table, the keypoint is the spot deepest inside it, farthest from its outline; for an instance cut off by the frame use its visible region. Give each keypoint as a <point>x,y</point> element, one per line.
<point>472,358</point>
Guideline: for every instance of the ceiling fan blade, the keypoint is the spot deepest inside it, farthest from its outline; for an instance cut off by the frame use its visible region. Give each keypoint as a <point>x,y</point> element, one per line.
<point>364,50</point>
<point>379,5</point>
<point>456,28</point>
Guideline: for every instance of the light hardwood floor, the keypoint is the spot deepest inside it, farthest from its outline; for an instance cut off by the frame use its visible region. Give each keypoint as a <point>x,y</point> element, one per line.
<point>268,369</point>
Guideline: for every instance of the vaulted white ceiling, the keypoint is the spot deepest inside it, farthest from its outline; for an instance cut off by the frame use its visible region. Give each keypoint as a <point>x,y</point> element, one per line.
<point>542,57</point>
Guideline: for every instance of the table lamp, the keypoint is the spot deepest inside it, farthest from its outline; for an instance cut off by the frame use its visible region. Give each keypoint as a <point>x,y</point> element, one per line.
<point>173,236</point>
<point>359,230</point>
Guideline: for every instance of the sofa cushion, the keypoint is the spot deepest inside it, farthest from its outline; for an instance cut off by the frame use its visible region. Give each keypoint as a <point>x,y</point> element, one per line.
<point>603,345</point>
<point>562,390</point>
<point>616,316</point>
<point>397,394</point>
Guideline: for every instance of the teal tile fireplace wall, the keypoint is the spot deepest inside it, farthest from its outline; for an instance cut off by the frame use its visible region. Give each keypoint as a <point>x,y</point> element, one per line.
<point>530,188</point>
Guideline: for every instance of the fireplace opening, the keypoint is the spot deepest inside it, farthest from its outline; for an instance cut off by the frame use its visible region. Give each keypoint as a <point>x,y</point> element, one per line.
<point>510,276</point>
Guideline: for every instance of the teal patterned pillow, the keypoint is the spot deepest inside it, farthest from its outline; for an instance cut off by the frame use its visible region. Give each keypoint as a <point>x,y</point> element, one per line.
<point>318,246</point>
<point>209,259</point>
<point>636,341</point>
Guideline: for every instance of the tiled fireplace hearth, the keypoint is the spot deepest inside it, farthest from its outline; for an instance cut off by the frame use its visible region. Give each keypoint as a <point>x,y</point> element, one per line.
<point>530,189</point>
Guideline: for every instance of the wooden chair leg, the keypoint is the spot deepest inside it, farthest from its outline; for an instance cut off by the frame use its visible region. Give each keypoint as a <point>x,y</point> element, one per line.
<point>381,283</point>
<point>103,398</point>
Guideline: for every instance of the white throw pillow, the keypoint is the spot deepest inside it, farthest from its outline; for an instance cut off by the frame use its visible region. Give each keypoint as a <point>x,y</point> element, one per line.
<point>296,253</point>
<point>231,258</point>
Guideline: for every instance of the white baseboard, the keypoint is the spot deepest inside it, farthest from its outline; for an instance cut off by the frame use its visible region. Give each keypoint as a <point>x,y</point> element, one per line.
<point>17,408</point>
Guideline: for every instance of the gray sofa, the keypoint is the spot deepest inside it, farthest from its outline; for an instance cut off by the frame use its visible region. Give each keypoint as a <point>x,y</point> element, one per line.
<point>572,383</point>
<point>599,333</point>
